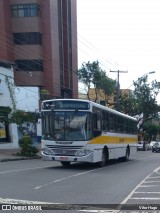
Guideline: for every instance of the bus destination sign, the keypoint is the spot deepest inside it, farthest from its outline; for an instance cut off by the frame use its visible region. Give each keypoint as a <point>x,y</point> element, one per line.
<point>77,105</point>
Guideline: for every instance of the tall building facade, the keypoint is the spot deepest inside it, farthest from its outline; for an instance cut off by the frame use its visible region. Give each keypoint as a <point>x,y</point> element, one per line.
<point>40,36</point>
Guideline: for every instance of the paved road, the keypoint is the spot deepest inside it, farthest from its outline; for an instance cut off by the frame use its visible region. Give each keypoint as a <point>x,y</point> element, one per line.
<point>132,182</point>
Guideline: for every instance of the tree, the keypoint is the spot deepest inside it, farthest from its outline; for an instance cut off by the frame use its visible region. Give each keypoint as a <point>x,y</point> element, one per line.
<point>20,116</point>
<point>127,103</point>
<point>146,95</point>
<point>151,131</point>
<point>91,75</point>
<point>44,94</point>
<point>143,101</point>
<point>108,86</point>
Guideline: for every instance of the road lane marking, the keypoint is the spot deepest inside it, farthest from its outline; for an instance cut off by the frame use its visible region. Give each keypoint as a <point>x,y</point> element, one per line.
<point>65,178</point>
<point>18,170</point>
<point>147,193</point>
<point>154,177</point>
<point>145,198</point>
<point>156,171</point>
<point>139,185</point>
<point>17,201</point>
<point>143,186</point>
<point>71,176</point>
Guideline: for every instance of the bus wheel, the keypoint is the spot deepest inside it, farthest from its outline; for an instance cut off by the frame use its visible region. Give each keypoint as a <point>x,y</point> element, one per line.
<point>104,160</point>
<point>65,163</point>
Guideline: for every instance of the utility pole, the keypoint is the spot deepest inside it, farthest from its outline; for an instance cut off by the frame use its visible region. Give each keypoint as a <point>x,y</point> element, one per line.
<point>118,87</point>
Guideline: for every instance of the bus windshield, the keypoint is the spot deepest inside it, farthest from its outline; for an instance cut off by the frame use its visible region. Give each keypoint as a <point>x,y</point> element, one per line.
<point>66,126</point>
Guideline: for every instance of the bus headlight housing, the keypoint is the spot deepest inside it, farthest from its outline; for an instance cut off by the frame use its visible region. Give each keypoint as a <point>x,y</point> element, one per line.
<point>47,151</point>
<point>83,152</point>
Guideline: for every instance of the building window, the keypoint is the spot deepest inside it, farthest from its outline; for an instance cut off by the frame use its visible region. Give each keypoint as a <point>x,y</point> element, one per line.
<point>25,10</point>
<point>27,38</point>
<point>29,65</point>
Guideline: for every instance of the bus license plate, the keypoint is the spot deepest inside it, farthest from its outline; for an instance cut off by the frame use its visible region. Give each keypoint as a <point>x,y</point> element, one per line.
<point>63,158</point>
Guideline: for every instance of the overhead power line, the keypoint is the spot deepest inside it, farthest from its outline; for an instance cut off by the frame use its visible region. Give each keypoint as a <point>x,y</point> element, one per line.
<point>118,87</point>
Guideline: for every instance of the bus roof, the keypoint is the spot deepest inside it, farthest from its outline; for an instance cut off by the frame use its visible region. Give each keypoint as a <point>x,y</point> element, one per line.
<point>94,104</point>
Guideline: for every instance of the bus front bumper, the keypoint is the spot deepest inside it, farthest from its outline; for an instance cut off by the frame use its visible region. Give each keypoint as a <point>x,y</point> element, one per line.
<point>86,158</point>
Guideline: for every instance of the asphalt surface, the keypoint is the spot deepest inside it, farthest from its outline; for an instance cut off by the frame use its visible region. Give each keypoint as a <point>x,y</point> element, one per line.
<point>126,183</point>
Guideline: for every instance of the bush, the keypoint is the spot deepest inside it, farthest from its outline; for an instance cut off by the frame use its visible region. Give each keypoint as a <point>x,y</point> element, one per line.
<point>26,147</point>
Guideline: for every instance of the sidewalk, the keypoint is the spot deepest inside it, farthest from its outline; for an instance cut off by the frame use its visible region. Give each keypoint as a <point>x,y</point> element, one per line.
<point>10,155</point>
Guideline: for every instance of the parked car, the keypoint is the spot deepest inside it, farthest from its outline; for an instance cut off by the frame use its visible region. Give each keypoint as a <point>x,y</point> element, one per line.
<point>142,146</point>
<point>156,147</point>
<point>151,144</point>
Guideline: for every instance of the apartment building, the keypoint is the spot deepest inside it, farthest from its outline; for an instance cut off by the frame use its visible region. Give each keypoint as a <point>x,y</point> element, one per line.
<point>40,37</point>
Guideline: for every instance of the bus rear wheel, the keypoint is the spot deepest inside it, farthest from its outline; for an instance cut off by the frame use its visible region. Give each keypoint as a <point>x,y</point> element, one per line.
<point>65,163</point>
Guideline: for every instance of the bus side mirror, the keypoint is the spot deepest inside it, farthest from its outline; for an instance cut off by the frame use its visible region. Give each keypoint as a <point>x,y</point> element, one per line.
<point>97,133</point>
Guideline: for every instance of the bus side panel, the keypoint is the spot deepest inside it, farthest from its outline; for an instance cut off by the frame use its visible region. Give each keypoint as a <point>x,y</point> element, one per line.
<point>97,155</point>
<point>120,151</point>
<point>133,150</point>
<point>111,153</point>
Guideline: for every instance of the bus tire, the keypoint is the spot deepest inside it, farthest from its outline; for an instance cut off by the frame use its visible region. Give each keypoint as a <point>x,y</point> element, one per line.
<point>105,157</point>
<point>65,163</point>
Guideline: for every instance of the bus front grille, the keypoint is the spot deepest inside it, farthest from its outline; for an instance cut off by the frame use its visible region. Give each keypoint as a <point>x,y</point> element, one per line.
<point>64,150</point>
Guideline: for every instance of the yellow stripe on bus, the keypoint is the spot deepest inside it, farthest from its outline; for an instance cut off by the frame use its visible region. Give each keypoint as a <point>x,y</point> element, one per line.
<point>112,139</point>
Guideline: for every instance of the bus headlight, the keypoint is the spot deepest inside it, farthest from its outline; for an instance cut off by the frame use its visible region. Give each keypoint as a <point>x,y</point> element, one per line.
<point>83,152</point>
<point>47,151</point>
<point>86,152</point>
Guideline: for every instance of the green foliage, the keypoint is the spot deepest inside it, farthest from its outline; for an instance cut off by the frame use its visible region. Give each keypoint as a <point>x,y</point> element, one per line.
<point>143,100</point>
<point>146,94</point>
<point>128,104</point>
<point>11,89</point>
<point>44,94</point>
<point>151,131</point>
<point>91,75</point>
<point>20,116</point>
<point>27,149</point>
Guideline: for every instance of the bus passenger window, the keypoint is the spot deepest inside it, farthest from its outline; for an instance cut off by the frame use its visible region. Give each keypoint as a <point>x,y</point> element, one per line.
<point>112,122</point>
<point>125,126</point>
<point>130,126</point>
<point>135,127</point>
<point>97,121</point>
<point>104,120</point>
<point>119,124</point>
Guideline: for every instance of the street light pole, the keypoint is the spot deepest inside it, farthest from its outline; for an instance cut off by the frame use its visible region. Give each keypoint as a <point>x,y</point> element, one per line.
<point>151,72</point>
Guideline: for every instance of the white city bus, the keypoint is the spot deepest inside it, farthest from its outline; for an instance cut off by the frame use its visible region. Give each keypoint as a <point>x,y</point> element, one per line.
<point>75,130</point>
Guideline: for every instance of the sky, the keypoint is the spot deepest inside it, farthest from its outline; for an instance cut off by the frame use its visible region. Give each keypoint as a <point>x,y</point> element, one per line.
<point>122,35</point>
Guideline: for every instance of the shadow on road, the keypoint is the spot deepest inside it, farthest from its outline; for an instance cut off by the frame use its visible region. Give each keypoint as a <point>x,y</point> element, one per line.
<point>85,166</point>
